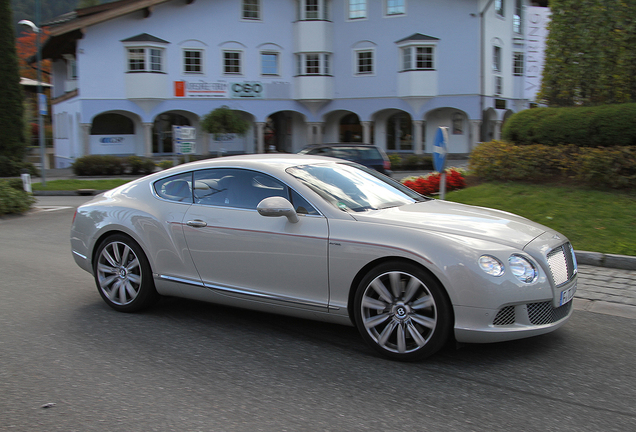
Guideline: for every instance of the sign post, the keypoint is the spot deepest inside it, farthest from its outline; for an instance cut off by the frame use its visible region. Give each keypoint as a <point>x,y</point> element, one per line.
<point>439,158</point>
<point>184,140</point>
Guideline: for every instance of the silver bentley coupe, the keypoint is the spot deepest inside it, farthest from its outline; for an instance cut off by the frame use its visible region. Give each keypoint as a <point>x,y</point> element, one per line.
<point>330,240</point>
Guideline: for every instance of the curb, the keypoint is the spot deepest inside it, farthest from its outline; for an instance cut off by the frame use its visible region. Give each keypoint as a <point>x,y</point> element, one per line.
<point>623,262</point>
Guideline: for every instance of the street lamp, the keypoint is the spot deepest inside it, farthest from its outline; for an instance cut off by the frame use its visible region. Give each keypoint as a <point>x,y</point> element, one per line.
<point>41,102</point>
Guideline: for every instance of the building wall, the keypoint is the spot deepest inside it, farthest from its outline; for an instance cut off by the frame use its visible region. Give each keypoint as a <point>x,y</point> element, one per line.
<point>301,105</point>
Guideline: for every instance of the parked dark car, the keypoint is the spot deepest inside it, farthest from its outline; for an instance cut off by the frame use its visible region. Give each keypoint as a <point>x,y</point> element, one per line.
<point>365,154</point>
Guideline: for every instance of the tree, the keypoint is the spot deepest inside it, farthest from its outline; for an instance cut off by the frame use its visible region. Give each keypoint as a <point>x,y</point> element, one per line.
<point>12,148</point>
<point>223,121</point>
<point>590,56</point>
<point>26,48</point>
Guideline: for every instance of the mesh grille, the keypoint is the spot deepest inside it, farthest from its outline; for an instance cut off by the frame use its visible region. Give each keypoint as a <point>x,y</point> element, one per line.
<point>562,264</point>
<point>505,316</point>
<point>545,313</point>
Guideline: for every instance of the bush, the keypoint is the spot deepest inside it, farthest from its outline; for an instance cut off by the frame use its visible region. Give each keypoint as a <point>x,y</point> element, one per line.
<point>14,199</point>
<point>13,168</point>
<point>605,125</point>
<point>411,162</point>
<point>165,164</point>
<point>613,167</point>
<point>138,165</point>
<point>107,165</point>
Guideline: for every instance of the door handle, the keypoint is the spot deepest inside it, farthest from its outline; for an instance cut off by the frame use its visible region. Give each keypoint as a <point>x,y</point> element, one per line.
<point>196,223</point>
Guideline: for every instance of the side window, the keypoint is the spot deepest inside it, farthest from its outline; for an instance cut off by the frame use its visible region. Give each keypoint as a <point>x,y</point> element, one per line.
<point>301,205</point>
<point>176,188</point>
<point>235,188</point>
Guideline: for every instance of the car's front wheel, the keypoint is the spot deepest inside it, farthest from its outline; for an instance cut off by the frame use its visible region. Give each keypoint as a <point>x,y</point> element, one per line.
<point>402,311</point>
<point>123,275</point>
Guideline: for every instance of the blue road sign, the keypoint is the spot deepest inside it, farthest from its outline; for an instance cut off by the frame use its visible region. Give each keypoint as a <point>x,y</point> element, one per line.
<point>440,149</point>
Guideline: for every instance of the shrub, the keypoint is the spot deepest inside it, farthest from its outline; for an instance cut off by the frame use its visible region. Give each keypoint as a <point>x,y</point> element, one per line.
<point>138,165</point>
<point>396,161</point>
<point>613,167</point>
<point>165,164</point>
<point>108,165</point>
<point>13,199</point>
<point>604,125</point>
<point>13,168</point>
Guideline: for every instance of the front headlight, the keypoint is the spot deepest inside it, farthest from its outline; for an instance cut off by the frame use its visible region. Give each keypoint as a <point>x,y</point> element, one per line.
<point>491,265</point>
<point>523,269</point>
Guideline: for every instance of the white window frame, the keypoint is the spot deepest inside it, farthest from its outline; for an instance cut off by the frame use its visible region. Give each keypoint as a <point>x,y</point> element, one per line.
<point>201,52</point>
<point>517,18</point>
<point>323,63</point>
<point>356,10</point>
<point>321,14</point>
<point>518,63</point>
<point>224,65</point>
<point>147,55</point>
<point>496,58</point>
<point>411,52</point>
<point>498,90</point>
<point>261,58</point>
<point>390,8</point>
<point>500,8</point>
<point>246,10</point>
<point>71,67</point>
<point>357,65</point>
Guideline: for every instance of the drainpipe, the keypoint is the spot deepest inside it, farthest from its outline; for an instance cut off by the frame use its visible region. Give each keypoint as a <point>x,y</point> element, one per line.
<point>482,58</point>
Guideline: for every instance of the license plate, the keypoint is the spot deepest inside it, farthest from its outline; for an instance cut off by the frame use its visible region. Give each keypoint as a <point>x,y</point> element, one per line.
<point>567,295</point>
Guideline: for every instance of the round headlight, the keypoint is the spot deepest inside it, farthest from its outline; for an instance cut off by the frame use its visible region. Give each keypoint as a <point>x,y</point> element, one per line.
<point>523,269</point>
<point>491,265</point>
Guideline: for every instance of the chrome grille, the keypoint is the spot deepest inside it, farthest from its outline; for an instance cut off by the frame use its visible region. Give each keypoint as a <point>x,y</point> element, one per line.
<point>545,313</point>
<point>562,264</point>
<point>506,316</point>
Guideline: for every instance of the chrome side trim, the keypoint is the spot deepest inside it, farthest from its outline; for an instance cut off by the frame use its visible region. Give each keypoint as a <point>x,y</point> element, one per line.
<point>228,290</point>
<point>80,255</point>
<point>182,280</point>
<point>225,290</point>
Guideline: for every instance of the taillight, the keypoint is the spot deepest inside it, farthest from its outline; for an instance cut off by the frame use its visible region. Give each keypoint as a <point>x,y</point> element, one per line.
<point>387,165</point>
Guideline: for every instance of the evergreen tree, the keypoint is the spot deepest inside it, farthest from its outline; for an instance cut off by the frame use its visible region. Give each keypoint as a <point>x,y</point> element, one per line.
<point>12,147</point>
<point>590,54</point>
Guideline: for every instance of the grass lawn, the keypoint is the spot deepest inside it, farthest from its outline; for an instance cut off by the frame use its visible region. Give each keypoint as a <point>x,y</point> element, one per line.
<point>70,185</point>
<point>593,220</point>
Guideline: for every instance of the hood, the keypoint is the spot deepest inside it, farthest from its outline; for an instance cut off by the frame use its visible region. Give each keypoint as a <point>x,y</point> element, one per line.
<point>459,219</point>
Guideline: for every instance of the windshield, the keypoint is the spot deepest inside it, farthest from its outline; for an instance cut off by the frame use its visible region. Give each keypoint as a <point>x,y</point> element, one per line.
<point>352,187</point>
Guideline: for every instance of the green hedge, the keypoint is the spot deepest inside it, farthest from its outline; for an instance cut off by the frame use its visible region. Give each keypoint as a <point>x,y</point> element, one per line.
<point>411,162</point>
<point>610,167</point>
<point>13,199</point>
<point>13,168</point>
<point>107,165</point>
<point>599,126</point>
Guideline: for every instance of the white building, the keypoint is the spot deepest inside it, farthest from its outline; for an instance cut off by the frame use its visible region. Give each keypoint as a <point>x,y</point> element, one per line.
<point>387,72</point>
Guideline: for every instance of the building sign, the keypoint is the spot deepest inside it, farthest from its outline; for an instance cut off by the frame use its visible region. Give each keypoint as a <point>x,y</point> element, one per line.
<point>112,144</point>
<point>184,139</point>
<point>247,90</point>
<point>200,89</point>
<point>537,19</point>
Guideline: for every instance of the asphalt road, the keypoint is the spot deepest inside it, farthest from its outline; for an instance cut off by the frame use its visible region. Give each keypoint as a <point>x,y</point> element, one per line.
<point>70,363</point>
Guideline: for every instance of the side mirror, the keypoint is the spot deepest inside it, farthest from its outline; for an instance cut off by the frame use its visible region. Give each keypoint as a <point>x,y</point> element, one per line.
<point>277,206</point>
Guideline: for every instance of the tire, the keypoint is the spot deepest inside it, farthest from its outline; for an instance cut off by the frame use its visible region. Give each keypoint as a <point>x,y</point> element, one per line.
<point>402,311</point>
<point>123,276</point>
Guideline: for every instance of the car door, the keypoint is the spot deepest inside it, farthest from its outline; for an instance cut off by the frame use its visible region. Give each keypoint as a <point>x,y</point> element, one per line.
<point>240,253</point>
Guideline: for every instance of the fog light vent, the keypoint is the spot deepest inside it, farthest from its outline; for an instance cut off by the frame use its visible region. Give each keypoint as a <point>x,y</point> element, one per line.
<point>505,316</point>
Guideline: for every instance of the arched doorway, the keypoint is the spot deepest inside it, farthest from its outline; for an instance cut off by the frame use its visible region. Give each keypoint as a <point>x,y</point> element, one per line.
<point>162,131</point>
<point>399,132</point>
<point>350,129</point>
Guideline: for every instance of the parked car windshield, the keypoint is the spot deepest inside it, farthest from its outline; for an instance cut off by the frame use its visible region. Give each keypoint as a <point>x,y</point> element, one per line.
<point>352,187</point>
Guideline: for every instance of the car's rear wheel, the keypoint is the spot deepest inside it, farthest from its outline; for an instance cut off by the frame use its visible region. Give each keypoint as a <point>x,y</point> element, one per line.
<point>402,311</point>
<point>123,275</point>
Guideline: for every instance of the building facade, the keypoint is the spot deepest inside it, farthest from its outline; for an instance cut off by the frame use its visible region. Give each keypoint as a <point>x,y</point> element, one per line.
<point>388,72</point>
